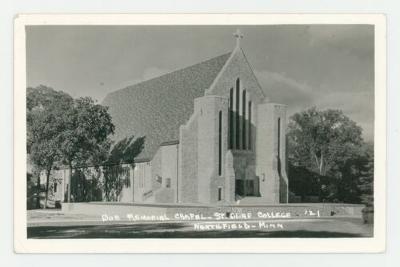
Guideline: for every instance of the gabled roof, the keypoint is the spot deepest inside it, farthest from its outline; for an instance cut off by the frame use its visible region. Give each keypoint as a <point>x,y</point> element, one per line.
<point>157,107</point>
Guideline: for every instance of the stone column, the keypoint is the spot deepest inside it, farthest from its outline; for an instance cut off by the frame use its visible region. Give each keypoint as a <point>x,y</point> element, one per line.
<point>208,108</point>
<point>271,163</point>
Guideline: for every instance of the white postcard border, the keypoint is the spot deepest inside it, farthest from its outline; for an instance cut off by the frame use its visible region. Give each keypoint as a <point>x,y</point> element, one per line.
<point>218,245</point>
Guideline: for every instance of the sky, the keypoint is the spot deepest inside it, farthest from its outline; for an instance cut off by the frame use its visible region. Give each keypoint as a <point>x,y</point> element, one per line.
<point>327,66</point>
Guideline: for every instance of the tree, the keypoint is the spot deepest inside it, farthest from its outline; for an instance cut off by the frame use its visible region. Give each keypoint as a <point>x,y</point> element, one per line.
<point>45,106</point>
<point>329,147</point>
<point>303,182</point>
<point>322,140</point>
<point>76,133</point>
<point>364,171</point>
<point>85,139</point>
<point>366,181</point>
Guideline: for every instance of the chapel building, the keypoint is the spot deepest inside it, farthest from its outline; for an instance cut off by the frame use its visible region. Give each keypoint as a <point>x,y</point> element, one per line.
<point>212,136</point>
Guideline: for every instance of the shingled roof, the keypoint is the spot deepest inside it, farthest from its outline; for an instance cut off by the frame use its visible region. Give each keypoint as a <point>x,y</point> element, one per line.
<point>157,107</point>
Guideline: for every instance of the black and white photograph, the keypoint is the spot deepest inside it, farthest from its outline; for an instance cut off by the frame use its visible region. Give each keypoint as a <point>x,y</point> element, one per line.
<point>182,131</point>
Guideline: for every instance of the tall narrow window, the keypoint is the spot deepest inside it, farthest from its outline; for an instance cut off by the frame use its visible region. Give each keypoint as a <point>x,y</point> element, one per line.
<point>231,119</point>
<point>220,144</point>
<point>250,125</point>
<point>219,193</point>
<point>279,138</point>
<point>237,114</point>
<point>244,146</point>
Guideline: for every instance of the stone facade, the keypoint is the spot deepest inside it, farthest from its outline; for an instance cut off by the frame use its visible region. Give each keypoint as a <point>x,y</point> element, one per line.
<point>232,147</point>
<point>271,153</point>
<point>252,147</point>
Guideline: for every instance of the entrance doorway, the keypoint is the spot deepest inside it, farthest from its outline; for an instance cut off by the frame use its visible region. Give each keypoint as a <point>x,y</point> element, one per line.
<point>246,188</point>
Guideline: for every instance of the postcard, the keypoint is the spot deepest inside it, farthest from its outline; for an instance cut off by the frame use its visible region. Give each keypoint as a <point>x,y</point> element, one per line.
<point>199,133</point>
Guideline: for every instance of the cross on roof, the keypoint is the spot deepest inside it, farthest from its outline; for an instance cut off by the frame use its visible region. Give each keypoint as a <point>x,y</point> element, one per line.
<point>238,35</point>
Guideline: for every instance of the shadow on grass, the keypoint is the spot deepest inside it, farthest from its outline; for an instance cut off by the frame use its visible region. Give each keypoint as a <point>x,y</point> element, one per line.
<point>166,231</point>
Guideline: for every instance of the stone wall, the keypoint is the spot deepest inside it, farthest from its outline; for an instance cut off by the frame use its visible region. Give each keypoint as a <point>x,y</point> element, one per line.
<point>187,170</point>
<point>165,195</point>
<point>169,170</point>
<point>229,194</point>
<point>156,171</point>
<point>271,154</point>
<point>208,167</point>
<point>202,178</point>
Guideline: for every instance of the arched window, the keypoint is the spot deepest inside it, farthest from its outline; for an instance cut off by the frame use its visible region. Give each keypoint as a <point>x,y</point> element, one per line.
<point>220,144</point>
<point>237,114</point>
<point>231,132</point>
<point>250,144</point>
<point>244,146</point>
